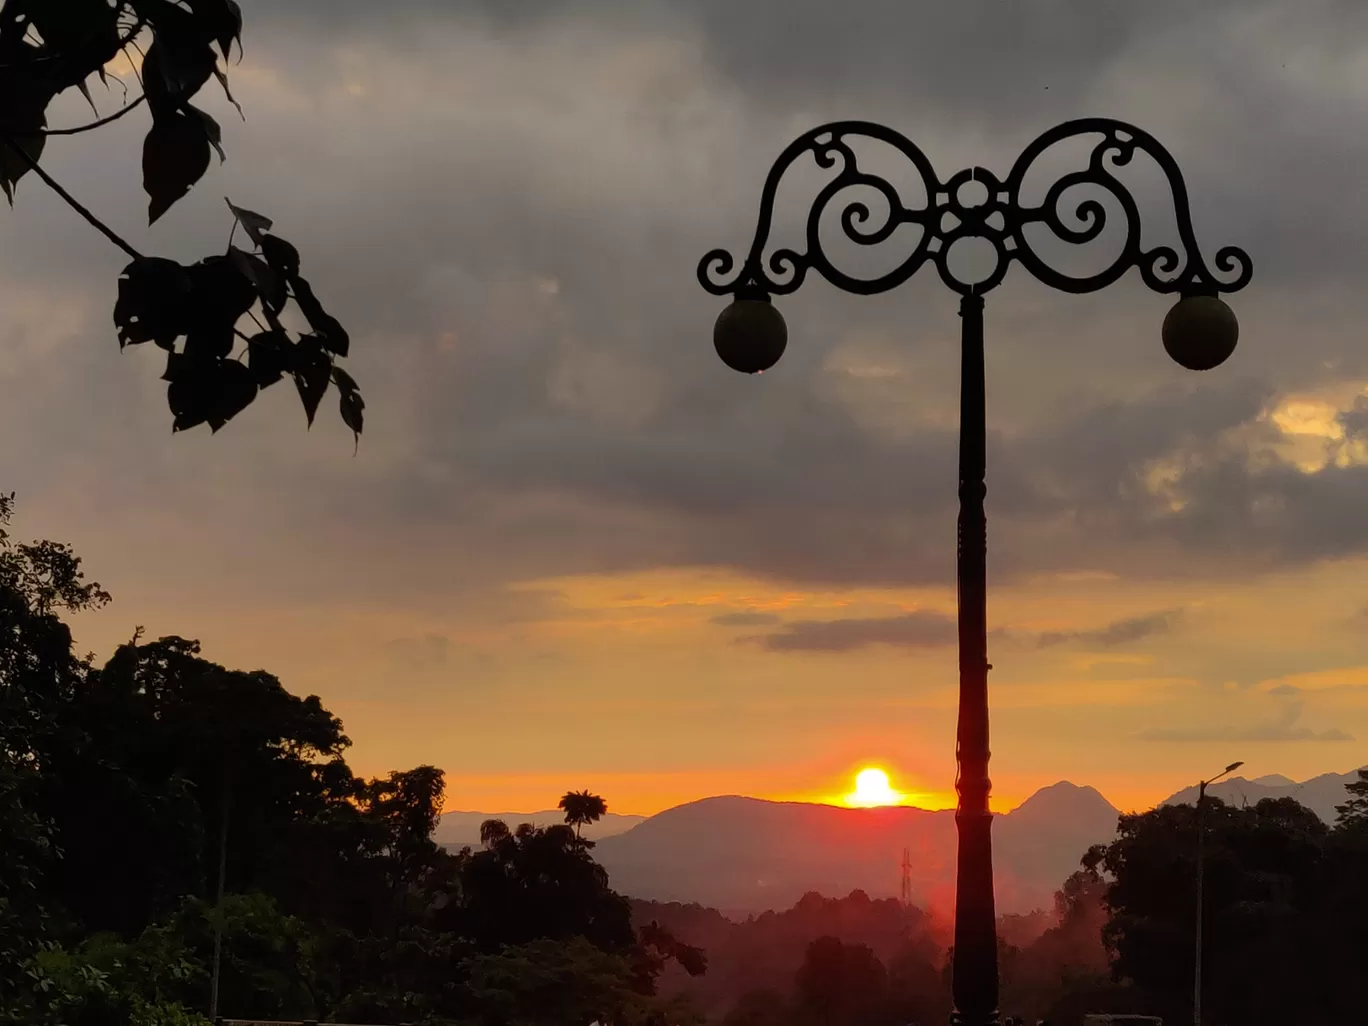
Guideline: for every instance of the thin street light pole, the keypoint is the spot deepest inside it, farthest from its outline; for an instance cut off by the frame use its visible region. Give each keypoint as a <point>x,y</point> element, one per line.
<point>1200,332</point>
<point>225,798</point>
<point>1201,872</point>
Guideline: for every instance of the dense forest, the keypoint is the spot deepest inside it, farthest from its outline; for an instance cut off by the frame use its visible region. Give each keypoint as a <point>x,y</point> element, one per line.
<point>158,807</point>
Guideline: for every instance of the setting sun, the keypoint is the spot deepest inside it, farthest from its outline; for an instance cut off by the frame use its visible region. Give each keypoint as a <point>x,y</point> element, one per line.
<point>872,789</point>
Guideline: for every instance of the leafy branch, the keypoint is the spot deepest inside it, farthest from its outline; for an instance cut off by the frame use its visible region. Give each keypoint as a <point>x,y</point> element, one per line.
<point>99,123</point>
<point>191,311</point>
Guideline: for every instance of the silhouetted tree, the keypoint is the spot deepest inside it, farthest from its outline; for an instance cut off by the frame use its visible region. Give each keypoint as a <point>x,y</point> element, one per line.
<point>114,782</point>
<point>1277,946</point>
<point>1065,972</point>
<point>538,883</point>
<point>1354,812</point>
<point>494,831</point>
<point>39,675</point>
<point>841,982</point>
<point>581,808</point>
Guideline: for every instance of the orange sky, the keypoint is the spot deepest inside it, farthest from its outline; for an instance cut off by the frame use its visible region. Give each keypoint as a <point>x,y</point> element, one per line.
<point>627,686</point>
<point>575,551</point>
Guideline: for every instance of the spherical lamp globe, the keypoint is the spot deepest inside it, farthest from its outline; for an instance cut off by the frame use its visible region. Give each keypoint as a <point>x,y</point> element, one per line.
<point>1200,332</point>
<point>750,334</point>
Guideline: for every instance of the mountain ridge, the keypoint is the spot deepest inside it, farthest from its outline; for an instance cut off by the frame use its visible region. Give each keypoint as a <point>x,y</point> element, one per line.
<point>751,855</point>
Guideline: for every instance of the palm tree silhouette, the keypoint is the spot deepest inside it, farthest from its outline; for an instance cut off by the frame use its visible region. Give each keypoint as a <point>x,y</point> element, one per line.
<point>581,807</point>
<point>493,831</point>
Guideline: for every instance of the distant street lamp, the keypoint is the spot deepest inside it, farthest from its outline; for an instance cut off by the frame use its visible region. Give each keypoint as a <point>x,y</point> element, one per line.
<point>1201,841</point>
<point>1200,332</point>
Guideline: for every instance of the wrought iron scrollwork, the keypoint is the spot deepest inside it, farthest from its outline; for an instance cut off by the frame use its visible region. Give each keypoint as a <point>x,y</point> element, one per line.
<point>999,217</point>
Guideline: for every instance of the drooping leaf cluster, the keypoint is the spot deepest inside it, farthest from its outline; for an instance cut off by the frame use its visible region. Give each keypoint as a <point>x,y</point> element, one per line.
<point>50,46</point>
<point>193,313</point>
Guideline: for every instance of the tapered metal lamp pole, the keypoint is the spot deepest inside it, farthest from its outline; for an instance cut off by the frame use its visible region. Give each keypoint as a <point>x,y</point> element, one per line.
<point>1200,332</point>
<point>1201,867</point>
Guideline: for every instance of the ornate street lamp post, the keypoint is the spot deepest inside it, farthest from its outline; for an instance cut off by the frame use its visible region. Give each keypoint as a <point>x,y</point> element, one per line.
<point>1200,332</point>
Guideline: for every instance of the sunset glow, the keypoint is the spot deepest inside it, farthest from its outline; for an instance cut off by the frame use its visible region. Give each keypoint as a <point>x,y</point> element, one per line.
<point>872,789</point>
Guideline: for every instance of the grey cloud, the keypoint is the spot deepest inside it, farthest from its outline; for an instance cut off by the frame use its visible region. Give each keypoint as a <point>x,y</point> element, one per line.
<point>1355,421</point>
<point>514,434</point>
<point>1284,727</point>
<point>429,652</point>
<point>921,629</point>
<point>1284,691</point>
<point>746,619</point>
<point>1122,632</point>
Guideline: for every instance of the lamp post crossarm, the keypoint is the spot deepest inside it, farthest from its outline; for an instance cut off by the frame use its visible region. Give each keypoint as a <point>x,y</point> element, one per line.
<point>998,215</point>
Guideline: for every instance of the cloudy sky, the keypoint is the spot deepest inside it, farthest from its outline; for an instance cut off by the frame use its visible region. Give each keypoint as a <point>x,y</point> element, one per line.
<point>574,550</point>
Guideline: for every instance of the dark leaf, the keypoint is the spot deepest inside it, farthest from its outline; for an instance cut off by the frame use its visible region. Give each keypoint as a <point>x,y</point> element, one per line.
<point>85,91</point>
<point>222,291</point>
<point>154,303</point>
<point>67,24</point>
<point>269,356</point>
<point>175,157</point>
<point>269,285</point>
<point>223,18</point>
<point>344,381</point>
<point>353,413</point>
<point>13,27</point>
<point>220,295</point>
<point>280,255</point>
<point>210,341</point>
<point>174,70</point>
<point>234,392</point>
<point>253,224</point>
<point>235,9</point>
<point>212,132</point>
<point>79,38</point>
<point>179,365</point>
<point>223,81</point>
<point>334,338</point>
<point>192,394</point>
<point>12,166</point>
<point>207,391</point>
<point>24,97</point>
<point>312,370</point>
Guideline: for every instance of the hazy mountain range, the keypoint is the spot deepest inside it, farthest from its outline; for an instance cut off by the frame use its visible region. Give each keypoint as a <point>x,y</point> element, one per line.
<point>743,855</point>
<point>1319,794</point>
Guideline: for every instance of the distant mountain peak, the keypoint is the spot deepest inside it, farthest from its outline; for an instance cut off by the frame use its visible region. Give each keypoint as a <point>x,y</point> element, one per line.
<point>1065,797</point>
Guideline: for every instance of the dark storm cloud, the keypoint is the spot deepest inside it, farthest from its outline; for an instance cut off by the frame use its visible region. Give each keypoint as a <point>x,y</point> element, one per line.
<point>921,629</point>
<point>508,211</point>
<point>1122,632</point>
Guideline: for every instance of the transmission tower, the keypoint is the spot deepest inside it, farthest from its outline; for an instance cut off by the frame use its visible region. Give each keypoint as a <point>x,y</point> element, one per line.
<point>907,877</point>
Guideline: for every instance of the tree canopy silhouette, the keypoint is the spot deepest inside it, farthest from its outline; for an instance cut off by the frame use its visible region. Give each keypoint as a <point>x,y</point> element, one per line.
<point>1285,903</point>
<point>114,780</point>
<point>193,312</point>
<point>582,808</point>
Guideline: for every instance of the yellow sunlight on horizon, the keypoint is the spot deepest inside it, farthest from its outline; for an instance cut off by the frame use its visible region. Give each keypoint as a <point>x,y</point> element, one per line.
<point>872,789</point>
